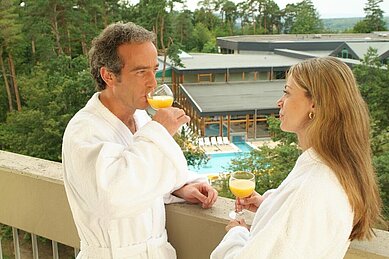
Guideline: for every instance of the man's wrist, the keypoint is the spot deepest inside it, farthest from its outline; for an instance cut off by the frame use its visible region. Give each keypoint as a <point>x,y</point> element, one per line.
<point>178,193</point>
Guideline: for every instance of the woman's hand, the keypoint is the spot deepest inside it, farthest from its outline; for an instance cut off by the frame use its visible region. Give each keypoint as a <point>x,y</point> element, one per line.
<point>234,223</point>
<point>250,203</point>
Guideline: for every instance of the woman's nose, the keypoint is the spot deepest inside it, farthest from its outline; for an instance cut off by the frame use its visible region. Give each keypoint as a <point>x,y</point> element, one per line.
<point>279,103</point>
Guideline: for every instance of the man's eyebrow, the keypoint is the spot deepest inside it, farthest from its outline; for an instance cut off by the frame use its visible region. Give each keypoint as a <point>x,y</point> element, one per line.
<point>143,67</point>
<point>139,68</point>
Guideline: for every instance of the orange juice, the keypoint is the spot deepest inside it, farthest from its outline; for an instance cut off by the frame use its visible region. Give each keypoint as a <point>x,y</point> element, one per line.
<point>160,101</point>
<point>242,188</point>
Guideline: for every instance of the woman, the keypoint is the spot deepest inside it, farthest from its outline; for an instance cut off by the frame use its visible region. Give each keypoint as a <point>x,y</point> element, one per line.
<point>331,195</point>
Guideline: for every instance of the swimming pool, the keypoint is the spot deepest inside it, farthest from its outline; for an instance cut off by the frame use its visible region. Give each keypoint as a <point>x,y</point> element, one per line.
<point>218,163</point>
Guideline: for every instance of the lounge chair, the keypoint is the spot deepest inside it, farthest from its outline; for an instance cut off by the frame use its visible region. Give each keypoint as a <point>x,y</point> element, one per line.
<point>201,142</point>
<point>206,141</point>
<point>213,141</point>
<point>220,141</point>
<point>226,141</point>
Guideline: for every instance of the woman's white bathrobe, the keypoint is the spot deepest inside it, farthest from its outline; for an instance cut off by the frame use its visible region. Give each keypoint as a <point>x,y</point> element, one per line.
<point>308,216</point>
<point>117,182</point>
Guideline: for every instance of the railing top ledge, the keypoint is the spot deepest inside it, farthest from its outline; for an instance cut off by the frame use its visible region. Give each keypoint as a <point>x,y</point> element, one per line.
<point>31,166</point>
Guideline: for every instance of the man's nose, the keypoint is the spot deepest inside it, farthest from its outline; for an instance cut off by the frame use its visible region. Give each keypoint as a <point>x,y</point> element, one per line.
<point>152,81</point>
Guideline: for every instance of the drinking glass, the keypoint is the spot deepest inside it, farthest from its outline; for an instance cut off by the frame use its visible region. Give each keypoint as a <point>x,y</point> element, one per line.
<point>160,97</point>
<point>242,185</point>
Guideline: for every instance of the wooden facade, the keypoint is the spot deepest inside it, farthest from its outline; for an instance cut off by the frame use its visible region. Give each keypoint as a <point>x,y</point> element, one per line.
<point>246,124</point>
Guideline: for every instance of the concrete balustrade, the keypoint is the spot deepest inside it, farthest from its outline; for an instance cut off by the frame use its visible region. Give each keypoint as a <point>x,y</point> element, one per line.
<point>32,198</point>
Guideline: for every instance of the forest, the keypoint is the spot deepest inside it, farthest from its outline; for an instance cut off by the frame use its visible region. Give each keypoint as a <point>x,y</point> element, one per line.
<point>45,79</point>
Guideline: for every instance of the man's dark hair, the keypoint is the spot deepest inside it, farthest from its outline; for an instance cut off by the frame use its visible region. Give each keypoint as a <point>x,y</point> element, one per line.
<point>103,52</point>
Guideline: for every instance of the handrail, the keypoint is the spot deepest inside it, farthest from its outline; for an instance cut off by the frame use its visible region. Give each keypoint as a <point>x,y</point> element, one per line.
<point>32,198</point>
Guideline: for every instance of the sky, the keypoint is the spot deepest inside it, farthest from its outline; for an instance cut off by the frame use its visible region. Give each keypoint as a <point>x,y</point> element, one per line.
<point>326,8</point>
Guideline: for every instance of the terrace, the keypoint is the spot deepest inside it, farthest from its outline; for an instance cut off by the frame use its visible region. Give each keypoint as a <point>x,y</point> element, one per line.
<point>33,199</point>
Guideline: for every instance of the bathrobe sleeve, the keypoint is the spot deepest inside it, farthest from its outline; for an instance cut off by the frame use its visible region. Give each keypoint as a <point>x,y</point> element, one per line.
<point>305,221</point>
<point>142,118</point>
<point>192,178</point>
<point>120,179</point>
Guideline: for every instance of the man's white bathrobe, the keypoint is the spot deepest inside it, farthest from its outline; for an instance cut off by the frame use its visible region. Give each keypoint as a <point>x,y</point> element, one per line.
<point>117,182</point>
<point>308,216</point>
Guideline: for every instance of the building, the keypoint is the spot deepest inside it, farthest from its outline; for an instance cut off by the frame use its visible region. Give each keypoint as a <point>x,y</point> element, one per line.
<point>220,89</point>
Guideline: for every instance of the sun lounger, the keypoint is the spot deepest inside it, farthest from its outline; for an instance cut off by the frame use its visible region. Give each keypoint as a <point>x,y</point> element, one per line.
<point>213,141</point>
<point>226,141</point>
<point>206,141</point>
<point>220,141</point>
<point>201,142</point>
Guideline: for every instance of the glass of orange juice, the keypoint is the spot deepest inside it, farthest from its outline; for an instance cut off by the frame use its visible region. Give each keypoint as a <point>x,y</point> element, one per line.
<point>160,97</point>
<point>242,185</point>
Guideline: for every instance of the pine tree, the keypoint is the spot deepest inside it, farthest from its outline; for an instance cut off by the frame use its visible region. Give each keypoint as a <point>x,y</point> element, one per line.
<point>374,19</point>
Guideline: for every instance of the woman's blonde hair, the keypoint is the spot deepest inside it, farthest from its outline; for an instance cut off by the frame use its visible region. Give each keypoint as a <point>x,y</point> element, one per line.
<point>340,133</point>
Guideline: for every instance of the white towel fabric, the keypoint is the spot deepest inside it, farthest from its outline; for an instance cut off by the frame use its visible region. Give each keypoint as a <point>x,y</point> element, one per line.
<point>307,216</point>
<point>116,183</point>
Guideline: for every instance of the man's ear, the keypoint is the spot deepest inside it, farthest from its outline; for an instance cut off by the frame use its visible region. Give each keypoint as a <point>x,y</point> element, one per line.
<point>106,75</point>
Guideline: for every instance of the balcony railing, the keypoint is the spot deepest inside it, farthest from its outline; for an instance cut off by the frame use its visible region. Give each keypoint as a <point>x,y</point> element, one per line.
<point>33,199</point>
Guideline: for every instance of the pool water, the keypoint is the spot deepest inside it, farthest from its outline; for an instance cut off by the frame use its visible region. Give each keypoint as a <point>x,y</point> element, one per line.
<point>218,163</point>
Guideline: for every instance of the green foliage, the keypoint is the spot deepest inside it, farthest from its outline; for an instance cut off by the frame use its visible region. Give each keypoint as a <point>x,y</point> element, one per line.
<point>302,17</point>
<point>374,19</point>
<point>5,232</point>
<point>373,83</point>
<point>3,102</point>
<point>52,95</point>
<point>210,47</point>
<point>184,27</point>
<point>201,35</point>
<point>279,135</point>
<point>194,155</point>
<point>340,24</point>
<point>373,80</point>
<point>269,165</point>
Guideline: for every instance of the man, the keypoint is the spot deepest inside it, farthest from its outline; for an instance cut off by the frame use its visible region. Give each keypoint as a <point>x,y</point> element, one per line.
<point>119,165</point>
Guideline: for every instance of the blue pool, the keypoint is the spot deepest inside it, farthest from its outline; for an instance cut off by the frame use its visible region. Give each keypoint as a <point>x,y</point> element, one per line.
<point>219,163</point>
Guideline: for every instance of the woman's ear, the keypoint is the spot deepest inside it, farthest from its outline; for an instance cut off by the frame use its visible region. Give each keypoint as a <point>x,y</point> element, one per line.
<point>107,76</point>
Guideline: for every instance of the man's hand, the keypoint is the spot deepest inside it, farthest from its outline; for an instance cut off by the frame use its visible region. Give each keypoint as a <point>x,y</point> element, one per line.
<point>198,193</point>
<point>171,118</point>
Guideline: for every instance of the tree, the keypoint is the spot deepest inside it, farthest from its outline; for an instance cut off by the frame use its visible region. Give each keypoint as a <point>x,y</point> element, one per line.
<point>10,35</point>
<point>183,25</point>
<point>302,18</point>
<point>206,17</point>
<point>271,17</point>
<point>194,155</point>
<point>229,11</point>
<point>373,80</point>
<point>269,165</point>
<point>173,52</point>
<point>56,91</point>
<point>374,19</point>
<point>202,35</point>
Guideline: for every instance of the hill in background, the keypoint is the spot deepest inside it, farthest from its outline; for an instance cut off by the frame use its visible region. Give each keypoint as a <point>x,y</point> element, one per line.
<point>344,24</point>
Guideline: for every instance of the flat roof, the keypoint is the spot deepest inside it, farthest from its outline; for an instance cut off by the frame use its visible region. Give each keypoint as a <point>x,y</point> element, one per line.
<point>306,37</point>
<point>235,98</point>
<point>200,62</point>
